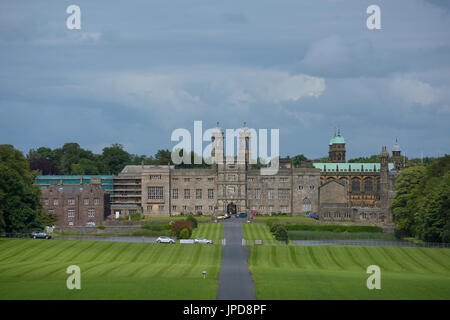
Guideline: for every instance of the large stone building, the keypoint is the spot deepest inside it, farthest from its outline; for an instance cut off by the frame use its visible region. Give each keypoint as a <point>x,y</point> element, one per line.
<point>337,190</point>
<point>77,205</point>
<point>368,187</point>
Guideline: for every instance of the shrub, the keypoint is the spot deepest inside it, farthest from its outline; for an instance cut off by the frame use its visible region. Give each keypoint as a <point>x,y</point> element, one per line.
<point>192,220</point>
<point>333,228</point>
<point>271,222</point>
<point>281,233</point>
<point>184,234</point>
<point>134,216</point>
<point>180,225</point>
<point>101,227</point>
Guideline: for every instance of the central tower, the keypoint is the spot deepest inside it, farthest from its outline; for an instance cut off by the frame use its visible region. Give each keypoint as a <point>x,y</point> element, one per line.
<point>232,170</point>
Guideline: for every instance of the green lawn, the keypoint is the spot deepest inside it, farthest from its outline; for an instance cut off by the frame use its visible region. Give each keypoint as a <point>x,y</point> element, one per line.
<point>211,231</point>
<point>35,269</point>
<point>259,232</point>
<point>328,235</point>
<point>338,272</point>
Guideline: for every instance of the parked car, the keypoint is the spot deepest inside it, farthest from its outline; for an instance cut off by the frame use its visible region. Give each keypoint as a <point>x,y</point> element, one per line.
<point>165,240</point>
<point>314,216</point>
<point>40,235</point>
<point>222,216</point>
<point>202,240</point>
<point>241,215</point>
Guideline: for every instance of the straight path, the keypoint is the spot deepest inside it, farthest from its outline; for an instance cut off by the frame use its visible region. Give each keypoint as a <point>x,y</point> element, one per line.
<point>235,279</point>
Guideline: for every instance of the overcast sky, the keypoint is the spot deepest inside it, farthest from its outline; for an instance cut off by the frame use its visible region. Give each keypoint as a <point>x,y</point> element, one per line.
<point>137,70</point>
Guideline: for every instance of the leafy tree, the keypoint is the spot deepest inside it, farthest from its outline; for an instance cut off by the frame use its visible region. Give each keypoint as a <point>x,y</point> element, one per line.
<point>421,206</point>
<point>180,225</point>
<point>163,157</point>
<point>434,217</point>
<point>20,206</point>
<point>192,220</point>
<point>281,233</point>
<point>371,159</point>
<point>403,206</point>
<point>115,158</point>
<point>184,234</point>
<point>43,165</point>
<point>48,219</point>
<point>297,160</point>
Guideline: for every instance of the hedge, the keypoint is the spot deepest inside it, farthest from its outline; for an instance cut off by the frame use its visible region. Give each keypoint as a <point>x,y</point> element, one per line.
<point>333,228</point>
<point>156,227</point>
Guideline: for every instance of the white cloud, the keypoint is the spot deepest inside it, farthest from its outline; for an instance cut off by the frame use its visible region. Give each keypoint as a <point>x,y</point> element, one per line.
<point>182,89</point>
<point>414,91</point>
<point>295,87</point>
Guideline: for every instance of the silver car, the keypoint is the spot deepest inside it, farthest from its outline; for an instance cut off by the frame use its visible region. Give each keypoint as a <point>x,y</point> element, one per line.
<point>165,240</point>
<point>203,240</point>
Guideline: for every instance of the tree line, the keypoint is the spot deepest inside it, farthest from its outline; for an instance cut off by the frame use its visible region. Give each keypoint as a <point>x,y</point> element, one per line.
<point>421,207</point>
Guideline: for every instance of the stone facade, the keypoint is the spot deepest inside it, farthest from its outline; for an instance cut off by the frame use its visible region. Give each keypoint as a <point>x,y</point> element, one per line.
<point>361,192</point>
<point>76,205</point>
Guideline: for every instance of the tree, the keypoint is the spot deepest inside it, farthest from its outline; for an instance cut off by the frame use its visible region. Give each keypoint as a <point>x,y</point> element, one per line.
<point>434,217</point>
<point>180,225</point>
<point>184,234</point>
<point>297,160</point>
<point>163,157</point>
<point>373,158</point>
<point>115,158</point>
<point>281,233</point>
<point>192,220</point>
<point>20,205</point>
<point>403,207</point>
<point>421,206</point>
<point>43,165</point>
<point>48,219</point>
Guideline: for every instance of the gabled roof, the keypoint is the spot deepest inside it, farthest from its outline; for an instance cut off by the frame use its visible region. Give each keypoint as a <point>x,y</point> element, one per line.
<point>334,180</point>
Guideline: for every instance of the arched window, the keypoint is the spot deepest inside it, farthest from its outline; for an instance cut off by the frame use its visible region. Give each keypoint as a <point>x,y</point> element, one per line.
<point>356,185</point>
<point>368,185</point>
<point>306,205</point>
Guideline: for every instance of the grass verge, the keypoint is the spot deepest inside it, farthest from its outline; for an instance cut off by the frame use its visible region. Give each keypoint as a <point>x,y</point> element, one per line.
<point>334,272</point>
<point>36,269</point>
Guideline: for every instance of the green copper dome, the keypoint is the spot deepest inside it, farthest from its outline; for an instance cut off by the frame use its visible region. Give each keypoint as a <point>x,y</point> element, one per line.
<point>337,140</point>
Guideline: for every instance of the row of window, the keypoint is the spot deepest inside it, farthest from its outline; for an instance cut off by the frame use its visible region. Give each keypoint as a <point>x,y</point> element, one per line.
<point>367,183</point>
<point>189,179</point>
<point>71,201</point>
<point>157,193</point>
<point>71,213</point>
<point>346,215</point>
<point>271,208</point>
<point>281,179</point>
<point>256,194</point>
<point>183,208</point>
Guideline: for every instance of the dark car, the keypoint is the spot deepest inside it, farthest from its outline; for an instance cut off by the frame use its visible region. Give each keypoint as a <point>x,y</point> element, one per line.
<point>241,215</point>
<point>40,235</point>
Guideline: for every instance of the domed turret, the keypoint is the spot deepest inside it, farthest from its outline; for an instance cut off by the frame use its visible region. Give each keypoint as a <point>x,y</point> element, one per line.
<point>337,148</point>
